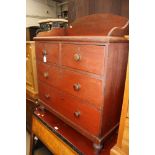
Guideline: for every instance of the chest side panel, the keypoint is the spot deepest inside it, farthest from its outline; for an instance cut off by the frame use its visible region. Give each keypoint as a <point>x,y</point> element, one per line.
<point>116,64</point>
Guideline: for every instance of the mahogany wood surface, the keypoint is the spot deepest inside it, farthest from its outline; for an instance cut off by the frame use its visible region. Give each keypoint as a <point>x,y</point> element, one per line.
<point>116,65</point>
<point>65,80</point>
<point>97,24</point>
<point>115,69</point>
<point>93,85</point>
<point>90,61</point>
<point>68,106</point>
<point>51,49</point>
<point>97,40</point>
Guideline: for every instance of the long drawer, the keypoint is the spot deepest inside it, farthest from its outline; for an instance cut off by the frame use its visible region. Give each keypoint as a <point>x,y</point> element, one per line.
<point>88,58</point>
<point>79,85</point>
<point>47,52</point>
<point>72,108</point>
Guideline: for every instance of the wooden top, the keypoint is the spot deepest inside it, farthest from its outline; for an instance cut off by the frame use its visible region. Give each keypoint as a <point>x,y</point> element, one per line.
<point>97,39</point>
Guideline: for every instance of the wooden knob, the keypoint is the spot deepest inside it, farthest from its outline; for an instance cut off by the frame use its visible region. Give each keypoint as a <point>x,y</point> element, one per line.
<point>76,86</point>
<point>77,114</point>
<point>47,96</point>
<point>46,74</point>
<point>77,57</point>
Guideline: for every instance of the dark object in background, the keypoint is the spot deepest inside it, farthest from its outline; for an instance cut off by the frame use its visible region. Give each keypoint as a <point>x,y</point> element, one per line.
<point>31,32</point>
<point>48,24</point>
<point>30,107</point>
<point>65,14</point>
<point>80,8</point>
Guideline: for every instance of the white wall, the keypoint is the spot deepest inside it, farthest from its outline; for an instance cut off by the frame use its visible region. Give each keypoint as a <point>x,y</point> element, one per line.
<point>64,8</point>
<point>37,10</point>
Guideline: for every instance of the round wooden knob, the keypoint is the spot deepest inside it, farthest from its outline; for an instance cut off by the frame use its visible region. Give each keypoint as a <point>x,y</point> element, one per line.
<point>46,74</point>
<point>77,114</point>
<point>76,86</point>
<point>77,57</point>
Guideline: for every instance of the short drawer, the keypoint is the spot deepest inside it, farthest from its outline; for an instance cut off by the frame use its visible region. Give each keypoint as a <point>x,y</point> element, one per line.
<point>79,85</point>
<point>88,58</point>
<point>47,52</point>
<point>72,108</point>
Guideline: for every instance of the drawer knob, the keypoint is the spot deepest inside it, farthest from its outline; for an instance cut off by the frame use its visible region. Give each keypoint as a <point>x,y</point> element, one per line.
<point>44,56</point>
<point>77,114</point>
<point>77,57</point>
<point>46,74</point>
<point>76,86</point>
<point>47,96</point>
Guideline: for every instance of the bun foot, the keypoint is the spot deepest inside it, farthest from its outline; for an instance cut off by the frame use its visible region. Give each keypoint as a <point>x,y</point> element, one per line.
<point>97,148</point>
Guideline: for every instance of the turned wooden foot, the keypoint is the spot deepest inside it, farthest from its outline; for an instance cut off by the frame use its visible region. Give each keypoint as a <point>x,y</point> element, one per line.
<point>97,148</point>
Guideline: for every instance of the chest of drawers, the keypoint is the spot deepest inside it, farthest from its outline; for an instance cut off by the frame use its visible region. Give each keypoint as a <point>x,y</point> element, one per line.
<point>81,81</point>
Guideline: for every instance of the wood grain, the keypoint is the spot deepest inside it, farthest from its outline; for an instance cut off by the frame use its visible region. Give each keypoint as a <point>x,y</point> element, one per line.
<point>52,142</point>
<point>116,64</point>
<point>60,101</point>
<point>96,87</point>
<point>96,24</point>
<point>51,50</point>
<point>31,73</point>
<point>95,40</point>
<point>80,8</point>
<point>64,80</point>
<point>90,61</point>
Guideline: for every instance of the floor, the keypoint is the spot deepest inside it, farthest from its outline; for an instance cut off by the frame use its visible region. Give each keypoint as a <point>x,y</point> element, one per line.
<point>40,151</point>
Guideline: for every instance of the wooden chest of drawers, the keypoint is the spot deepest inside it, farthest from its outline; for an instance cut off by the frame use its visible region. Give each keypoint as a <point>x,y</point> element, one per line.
<point>81,81</point>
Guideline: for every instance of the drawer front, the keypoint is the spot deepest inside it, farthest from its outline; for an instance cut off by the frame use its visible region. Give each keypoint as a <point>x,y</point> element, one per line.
<point>47,52</point>
<point>79,85</point>
<point>88,58</point>
<point>72,108</point>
